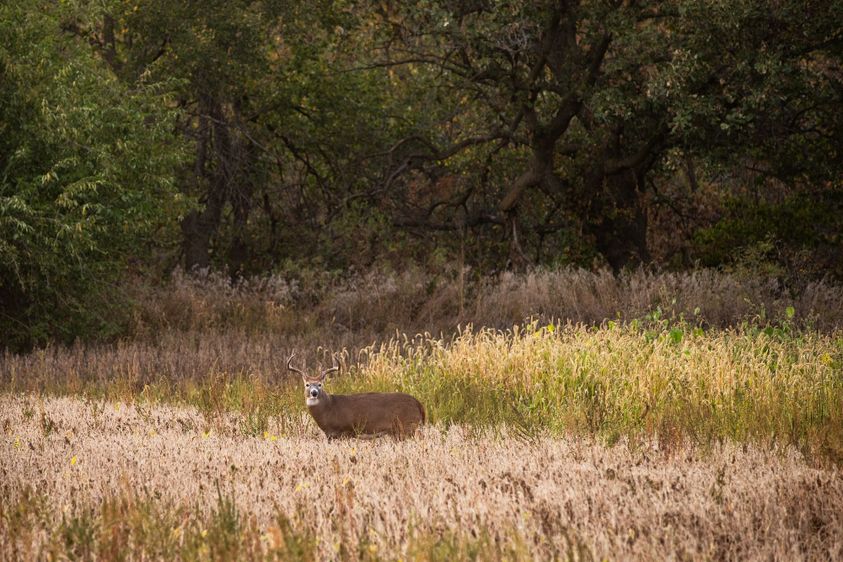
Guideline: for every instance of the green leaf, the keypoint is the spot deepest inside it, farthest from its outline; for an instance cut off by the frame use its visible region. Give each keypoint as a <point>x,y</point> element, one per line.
<point>676,335</point>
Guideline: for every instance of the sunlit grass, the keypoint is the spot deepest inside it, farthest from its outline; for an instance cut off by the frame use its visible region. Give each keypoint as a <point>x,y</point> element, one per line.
<point>653,433</point>
<point>620,380</point>
<point>91,479</point>
<point>627,381</point>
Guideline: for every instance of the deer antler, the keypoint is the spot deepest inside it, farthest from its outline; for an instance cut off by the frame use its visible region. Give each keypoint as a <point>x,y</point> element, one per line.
<point>291,368</point>
<point>332,369</point>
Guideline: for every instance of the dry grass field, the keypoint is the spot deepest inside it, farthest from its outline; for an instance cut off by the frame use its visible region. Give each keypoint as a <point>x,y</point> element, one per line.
<point>107,480</point>
<point>692,423</point>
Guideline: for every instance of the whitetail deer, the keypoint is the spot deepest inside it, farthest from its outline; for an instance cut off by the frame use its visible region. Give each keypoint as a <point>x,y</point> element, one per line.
<point>367,415</point>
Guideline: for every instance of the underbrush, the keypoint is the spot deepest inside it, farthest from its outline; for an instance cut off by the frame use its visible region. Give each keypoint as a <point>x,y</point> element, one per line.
<point>322,306</point>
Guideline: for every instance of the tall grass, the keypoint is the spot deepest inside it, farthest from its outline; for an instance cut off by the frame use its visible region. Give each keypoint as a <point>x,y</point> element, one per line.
<point>190,440</point>
<point>620,380</point>
<point>625,380</point>
<point>131,526</point>
<point>373,305</point>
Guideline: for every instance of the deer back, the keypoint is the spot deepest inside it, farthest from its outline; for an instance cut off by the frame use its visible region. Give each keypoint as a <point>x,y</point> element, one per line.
<point>369,414</point>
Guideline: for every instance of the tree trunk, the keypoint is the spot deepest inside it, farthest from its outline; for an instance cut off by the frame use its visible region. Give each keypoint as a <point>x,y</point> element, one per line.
<point>211,173</point>
<point>621,229</point>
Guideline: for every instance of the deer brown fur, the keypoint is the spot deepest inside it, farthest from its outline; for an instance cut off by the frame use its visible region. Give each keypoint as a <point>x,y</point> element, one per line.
<point>366,415</point>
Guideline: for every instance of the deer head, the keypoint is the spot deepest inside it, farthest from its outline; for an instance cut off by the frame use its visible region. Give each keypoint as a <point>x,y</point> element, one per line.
<point>313,391</point>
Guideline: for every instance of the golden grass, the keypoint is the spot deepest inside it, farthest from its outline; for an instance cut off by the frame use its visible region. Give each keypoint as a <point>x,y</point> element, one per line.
<point>625,380</point>
<point>109,480</point>
<point>703,421</point>
<point>672,383</point>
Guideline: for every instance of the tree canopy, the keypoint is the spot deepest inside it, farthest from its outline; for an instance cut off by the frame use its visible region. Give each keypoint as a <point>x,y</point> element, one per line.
<point>244,135</point>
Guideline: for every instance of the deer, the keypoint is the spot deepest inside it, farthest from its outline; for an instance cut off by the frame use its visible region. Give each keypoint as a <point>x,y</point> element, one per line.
<point>365,416</point>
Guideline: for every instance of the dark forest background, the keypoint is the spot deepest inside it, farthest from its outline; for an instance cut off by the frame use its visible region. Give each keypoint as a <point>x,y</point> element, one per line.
<point>306,139</point>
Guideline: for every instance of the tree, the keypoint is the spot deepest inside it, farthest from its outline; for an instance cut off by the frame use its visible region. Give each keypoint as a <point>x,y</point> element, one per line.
<point>280,137</point>
<point>87,179</point>
<point>595,99</point>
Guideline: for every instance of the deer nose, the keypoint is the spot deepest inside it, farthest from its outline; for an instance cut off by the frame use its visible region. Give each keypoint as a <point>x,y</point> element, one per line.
<point>314,393</point>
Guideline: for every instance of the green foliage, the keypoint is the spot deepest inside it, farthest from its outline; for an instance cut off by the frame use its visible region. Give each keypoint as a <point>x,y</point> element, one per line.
<point>801,233</point>
<point>87,180</point>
